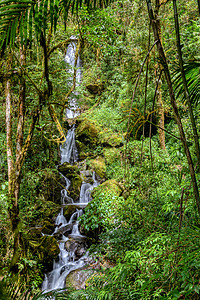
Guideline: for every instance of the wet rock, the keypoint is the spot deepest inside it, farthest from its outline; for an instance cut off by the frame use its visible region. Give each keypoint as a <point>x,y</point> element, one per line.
<point>68,170</point>
<point>76,248</point>
<point>63,229</point>
<point>69,209</point>
<point>78,278</point>
<point>72,173</point>
<point>87,132</point>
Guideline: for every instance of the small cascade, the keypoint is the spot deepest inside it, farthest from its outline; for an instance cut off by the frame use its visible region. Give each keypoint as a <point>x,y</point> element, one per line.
<point>73,253</point>
<point>68,150</point>
<point>72,110</point>
<point>65,199</point>
<point>86,189</point>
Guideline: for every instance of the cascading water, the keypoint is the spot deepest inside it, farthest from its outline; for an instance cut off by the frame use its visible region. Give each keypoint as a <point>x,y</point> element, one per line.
<point>67,260</point>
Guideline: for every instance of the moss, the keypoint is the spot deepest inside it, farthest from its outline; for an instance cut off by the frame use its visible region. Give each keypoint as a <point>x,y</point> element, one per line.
<point>99,166</point>
<point>47,250</point>
<point>108,138</point>
<point>75,187</point>
<point>50,185</point>
<point>48,210</point>
<point>68,170</point>
<point>87,132</point>
<point>69,210</point>
<point>112,155</point>
<point>48,227</point>
<point>109,186</point>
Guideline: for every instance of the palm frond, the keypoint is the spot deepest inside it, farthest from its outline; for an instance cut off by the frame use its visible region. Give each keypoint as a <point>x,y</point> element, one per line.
<point>19,16</point>
<point>192,73</point>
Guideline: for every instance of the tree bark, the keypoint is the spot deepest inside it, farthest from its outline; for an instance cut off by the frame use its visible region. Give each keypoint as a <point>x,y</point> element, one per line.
<point>173,101</point>
<point>161,121</point>
<point>186,91</point>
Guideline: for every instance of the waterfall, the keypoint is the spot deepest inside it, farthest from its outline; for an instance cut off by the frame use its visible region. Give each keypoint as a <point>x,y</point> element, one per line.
<point>67,260</point>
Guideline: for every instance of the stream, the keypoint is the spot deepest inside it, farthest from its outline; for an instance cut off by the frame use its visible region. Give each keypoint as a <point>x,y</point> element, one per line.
<point>72,244</point>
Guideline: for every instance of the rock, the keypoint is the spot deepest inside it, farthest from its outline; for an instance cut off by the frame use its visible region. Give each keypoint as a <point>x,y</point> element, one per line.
<point>47,250</point>
<point>48,227</point>
<point>109,186</point>
<point>68,170</point>
<point>69,209</point>
<point>75,247</point>
<point>63,229</point>
<point>77,279</point>
<point>72,173</point>
<point>99,166</point>
<point>95,88</point>
<point>87,132</point>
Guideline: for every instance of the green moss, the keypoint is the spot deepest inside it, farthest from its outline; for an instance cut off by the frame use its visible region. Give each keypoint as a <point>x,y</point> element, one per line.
<point>99,166</point>
<point>87,132</point>
<point>108,138</point>
<point>47,227</point>
<point>109,186</point>
<point>68,170</point>
<point>69,210</point>
<point>75,187</point>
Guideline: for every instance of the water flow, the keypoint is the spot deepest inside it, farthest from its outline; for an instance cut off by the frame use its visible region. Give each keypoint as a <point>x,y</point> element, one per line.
<point>68,150</point>
<point>68,259</point>
<point>72,110</point>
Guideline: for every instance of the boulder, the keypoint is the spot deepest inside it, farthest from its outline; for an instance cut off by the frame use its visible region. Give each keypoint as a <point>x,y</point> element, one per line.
<point>76,248</point>
<point>77,279</point>
<point>109,186</point>
<point>47,250</point>
<point>68,170</point>
<point>87,132</point>
<point>99,166</point>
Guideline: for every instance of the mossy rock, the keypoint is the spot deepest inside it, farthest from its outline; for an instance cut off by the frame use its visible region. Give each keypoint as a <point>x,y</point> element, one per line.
<point>69,210</point>
<point>75,187</point>
<point>87,132</point>
<point>109,186</point>
<point>78,279</point>
<point>51,185</point>
<point>99,166</point>
<point>47,250</point>
<point>68,170</point>
<point>48,227</point>
<point>108,138</point>
<point>95,88</point>
<point>48,210</point>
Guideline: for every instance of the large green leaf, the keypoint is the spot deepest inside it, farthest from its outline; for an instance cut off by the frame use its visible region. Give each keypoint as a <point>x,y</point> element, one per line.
<point>19,15</point>
<point>192,73</point>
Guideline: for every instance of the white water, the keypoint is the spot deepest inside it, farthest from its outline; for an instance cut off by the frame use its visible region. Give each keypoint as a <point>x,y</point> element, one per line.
<point>67,260</point>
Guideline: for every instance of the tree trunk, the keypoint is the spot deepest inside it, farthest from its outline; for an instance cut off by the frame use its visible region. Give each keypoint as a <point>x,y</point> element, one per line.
<point>173,101</point>
<point>187,95</point>
<point>161,121</point>
<point>13,203</point>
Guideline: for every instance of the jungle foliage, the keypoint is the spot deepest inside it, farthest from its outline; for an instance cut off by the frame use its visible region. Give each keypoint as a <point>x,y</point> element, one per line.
<point>145,220</point>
